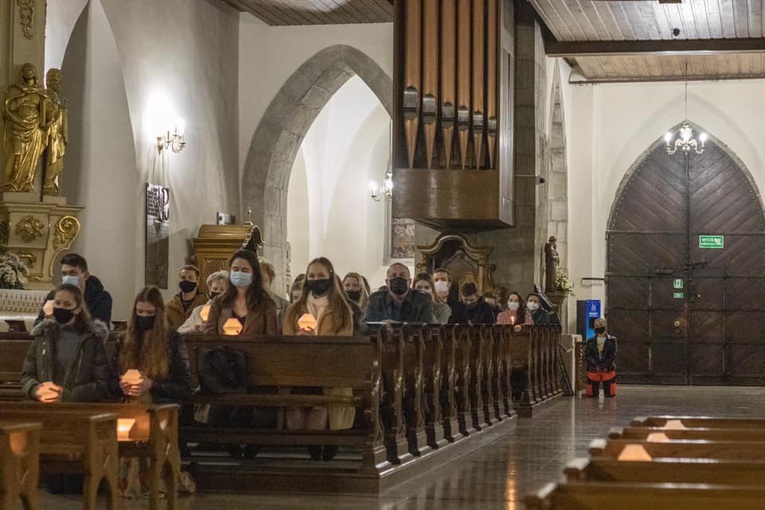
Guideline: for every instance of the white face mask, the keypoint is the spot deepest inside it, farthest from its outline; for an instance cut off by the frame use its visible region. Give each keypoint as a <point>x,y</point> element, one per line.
<point>426,291</point>
<point>532,306</point>
<point>442,287</point>
<point>513,306</point>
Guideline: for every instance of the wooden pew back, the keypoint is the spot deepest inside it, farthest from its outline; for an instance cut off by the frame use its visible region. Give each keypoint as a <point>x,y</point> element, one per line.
<point>682,449</point>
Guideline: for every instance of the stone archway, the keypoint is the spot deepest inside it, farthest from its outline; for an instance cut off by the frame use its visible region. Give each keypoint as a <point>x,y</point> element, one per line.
<point>280,133</point>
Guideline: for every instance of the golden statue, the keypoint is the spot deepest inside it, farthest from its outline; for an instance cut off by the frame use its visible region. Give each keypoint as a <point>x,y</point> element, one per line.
<point>25,124</point>
<point>58,134</point>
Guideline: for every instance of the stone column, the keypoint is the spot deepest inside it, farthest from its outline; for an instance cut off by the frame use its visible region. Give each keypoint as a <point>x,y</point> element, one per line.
<point>22,23</point>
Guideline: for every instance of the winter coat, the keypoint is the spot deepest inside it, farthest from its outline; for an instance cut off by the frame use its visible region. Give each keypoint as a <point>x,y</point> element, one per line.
<point>416,307</point>
<point>441,312</point>
<point>98,301</point>
<point>176,386</point>
<point>87,377</point>
<point>176,315</point>
<point>597,362</point>
<point>257,322</point>
<point>481,313</point>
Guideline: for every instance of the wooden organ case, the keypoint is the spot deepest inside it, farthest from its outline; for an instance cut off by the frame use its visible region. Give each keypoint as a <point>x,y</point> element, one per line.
<point>453,117</point>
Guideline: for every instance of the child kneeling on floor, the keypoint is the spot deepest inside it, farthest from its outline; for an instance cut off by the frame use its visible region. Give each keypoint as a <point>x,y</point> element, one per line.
<point>601,361</point>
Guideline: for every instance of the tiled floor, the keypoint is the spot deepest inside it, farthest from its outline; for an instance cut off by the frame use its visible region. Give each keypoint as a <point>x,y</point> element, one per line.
<point>499,473</point>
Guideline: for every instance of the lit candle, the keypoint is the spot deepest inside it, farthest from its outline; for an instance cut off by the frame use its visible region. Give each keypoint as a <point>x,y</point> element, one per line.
<point>512,320</point>
<point>307,322</point>
<point>204,313</point>
<point>232,327</point>
<point>124,427</point>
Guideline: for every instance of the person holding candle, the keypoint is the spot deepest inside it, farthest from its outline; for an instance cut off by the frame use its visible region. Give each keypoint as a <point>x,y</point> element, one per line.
<point>179,308</point>
<point>245,308</point>
<point>67,360</point>
<point>515,314</point>
<point>217,283</point>
<point>321,310</point>
<point>153,367</point>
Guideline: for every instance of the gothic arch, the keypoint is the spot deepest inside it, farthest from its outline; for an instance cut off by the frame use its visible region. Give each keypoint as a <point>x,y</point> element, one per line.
<point>280,133</point>
<point>557,203</point>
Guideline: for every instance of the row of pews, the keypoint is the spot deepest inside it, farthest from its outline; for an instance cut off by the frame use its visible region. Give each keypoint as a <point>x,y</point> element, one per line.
<point>424,395</point>
<point>666,462</point>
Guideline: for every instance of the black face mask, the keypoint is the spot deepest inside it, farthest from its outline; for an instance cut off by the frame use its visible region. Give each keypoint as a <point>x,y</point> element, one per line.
<point>213,295</point>
<point>62,315</point>
<point>144,323</point>
<point>319,287</point>
<point>353,295</point>
<point>399,286</point>
<point>187,286</point>
<point>600,331</point>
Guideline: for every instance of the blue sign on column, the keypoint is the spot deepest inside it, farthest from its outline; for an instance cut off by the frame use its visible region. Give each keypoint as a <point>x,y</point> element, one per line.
<point>593,308</point>
<point>586,313</point>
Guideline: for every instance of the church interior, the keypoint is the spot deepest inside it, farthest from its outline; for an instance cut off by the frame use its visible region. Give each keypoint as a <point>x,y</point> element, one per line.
<point>587,172</point>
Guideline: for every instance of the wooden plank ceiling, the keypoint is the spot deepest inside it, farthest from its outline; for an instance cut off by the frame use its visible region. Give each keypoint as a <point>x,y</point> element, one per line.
<point>648,40</point>
<point>316,12</point>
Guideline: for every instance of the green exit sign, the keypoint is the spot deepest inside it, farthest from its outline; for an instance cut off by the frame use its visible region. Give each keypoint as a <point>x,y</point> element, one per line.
<point>677,284</point>
<point>678,295</point>
<point>712,242</point>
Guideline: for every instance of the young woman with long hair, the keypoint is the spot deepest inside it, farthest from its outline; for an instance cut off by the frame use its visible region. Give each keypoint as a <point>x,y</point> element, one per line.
<point>245,300</point>
<point>322,297</point>
<point>515,313</point>
<point>356,289</point>
<point>441,311</point>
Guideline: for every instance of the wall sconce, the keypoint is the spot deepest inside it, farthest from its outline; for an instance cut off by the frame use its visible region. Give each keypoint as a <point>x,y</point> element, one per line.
<point>386,190</point>
<point>175,141</point>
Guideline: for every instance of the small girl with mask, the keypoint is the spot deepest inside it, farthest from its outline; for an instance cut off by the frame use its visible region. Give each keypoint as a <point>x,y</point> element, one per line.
<point>323,298</point>
<point>600,352</point>
<point>217,283</point>
<point>67,361</point>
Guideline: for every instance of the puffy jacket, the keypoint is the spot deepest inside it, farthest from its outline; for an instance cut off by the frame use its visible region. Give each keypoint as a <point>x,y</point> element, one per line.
<point>87,377</point>
<point>596,362</point>
<point>416,307</point>
<point>99,301</point>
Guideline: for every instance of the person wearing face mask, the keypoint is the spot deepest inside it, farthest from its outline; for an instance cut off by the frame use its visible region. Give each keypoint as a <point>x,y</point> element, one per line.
<point>245,300</point>
<point>475,309</point>
<point>180,307</point>
<point>441,311</point>
<point>74,271</point>
<point>514,315</point>
<point>323,298</point>
<point>152,367</point>
<point>268,271</point>
<point>600,352</point>
<point>217,283</point>
<point>356,289</point>
<point>396,302</point>
<point>67,361</point>
<point>535,314</point>
<point>297,288</point>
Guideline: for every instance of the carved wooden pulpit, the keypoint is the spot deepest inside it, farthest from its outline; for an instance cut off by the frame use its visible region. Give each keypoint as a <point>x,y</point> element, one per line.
<point>455,253</point>
<point>216,243</point>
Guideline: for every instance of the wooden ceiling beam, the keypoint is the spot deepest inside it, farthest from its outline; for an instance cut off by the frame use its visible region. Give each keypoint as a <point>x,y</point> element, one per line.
<point>575,49</point>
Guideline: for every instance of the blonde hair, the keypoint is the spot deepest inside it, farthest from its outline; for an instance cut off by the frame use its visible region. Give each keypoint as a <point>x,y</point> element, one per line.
<point>362,284</point>
<point>147,351</point>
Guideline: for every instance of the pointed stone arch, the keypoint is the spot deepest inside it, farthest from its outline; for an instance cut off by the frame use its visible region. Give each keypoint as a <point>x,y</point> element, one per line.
<point>281,130</point>
<point>557,201</point>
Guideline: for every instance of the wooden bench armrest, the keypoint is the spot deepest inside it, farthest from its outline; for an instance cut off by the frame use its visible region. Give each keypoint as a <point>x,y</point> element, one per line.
<point>640,421</point>
<point>540,500</point>
<point>577,469</point>
<point>597,446</point>
<point>615,433</point>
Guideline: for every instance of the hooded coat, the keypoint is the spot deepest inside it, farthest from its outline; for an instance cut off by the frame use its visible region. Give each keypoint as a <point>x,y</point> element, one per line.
<point>87,377</point>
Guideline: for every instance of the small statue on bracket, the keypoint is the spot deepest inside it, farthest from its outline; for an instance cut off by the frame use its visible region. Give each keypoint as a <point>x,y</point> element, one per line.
<point>552,262</point>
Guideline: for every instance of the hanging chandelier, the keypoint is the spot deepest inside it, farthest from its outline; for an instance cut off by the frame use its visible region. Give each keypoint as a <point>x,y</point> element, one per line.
<point>685,139</point>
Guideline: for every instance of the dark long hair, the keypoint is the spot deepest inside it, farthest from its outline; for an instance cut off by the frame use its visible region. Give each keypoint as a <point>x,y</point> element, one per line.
<point>83,319</point>
<point>521,313</point>
<point>147,351</point>
<point>256,294</point>
<point>341,310</point>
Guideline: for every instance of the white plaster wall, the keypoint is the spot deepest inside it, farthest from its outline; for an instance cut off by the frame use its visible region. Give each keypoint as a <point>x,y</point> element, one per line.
<point>179,62</point>
<point>61,16</point>
<point>270,55</point>
<point>613,124</point>
<point>330,213</point>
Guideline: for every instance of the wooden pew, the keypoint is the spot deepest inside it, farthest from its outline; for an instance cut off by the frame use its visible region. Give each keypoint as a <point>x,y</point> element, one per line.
<point>640,496</point>
<point>700,422</point>
<point>154,436</point>
<point>730,450</point>
<point>433,378</point>
<point>667,471</point>
<point>709,434</point>
<point>347,362</point>
<point>14,351</point>
<point>533,352</point>
<point>82,441</point>
<point>19,464</point>
<point>448,398</point>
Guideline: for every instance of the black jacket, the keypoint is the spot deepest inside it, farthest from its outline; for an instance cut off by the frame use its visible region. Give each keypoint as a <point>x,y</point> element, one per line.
<point>178,384</point>
<point>596,362</point>
<point>98,300</point>
<point>416,307</point>
<point>481,313</point>
<point>541,317</point>
<point>87,377</point>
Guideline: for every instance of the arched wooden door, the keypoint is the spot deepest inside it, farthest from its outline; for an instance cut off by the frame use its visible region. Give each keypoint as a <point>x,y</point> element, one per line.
<point>685,278</point>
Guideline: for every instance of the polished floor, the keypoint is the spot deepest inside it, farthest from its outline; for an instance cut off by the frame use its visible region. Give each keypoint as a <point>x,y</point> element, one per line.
<point>507,465</point>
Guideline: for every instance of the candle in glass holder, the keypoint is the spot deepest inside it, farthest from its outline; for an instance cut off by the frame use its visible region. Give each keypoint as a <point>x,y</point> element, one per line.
<point>124,427</point>
<point>307,322</point>
<point>232,327</point>
<point>204,313</point>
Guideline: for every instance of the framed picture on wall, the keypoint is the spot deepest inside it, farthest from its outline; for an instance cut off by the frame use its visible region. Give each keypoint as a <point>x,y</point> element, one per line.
<point>399,238</point>
<point>157,235</point>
